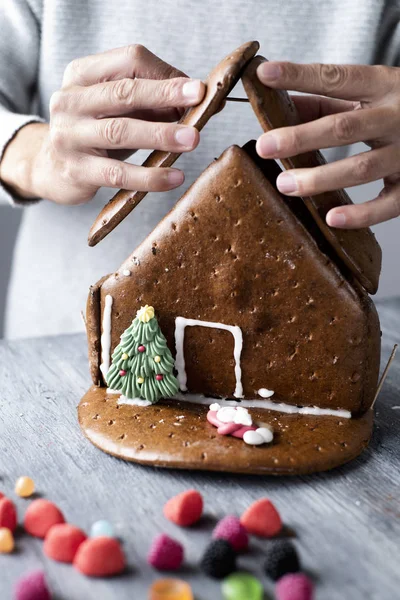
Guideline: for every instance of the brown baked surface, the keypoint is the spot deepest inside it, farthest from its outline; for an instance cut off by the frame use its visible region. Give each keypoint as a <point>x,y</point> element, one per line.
<point>219,83</point>
<point>232,251</point>
<point>358,248</point>
<point>159,436</point>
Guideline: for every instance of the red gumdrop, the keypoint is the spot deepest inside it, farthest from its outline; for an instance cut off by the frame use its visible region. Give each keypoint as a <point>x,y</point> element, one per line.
<point>166,554</point>
<point>32,586</point>
<point>8,514</point>
<point>231,530</point>
<point>262,519</point>
<point>100,557</point>
<point>62,542</point>
<point>41,516</point>
<point>184,509</point>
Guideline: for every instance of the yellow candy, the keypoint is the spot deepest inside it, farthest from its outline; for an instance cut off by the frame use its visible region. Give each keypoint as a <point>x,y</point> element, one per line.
<point>24,487</point>
<point>170,589</point>
<point>6,541</point>
<point>157,359</point>
<point>125,356</point>
<point>140,380</point>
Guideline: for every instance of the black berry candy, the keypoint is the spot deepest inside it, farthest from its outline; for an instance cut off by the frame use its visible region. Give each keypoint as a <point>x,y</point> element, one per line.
<point>219,559</point>
<point>281,558</point>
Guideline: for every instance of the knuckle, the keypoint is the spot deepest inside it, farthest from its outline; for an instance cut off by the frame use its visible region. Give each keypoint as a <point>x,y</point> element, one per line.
<point>57,138</point>
<point>159,135</point>
<point>363,168</point>
<point>332,77</point>
<point>73,70</point>
<point>56,102</point>
<point>69,172</point>
<point>136,51</point>
<point>124,91</point>
<point>114,176</point>
<point>294,141</point>
<point>343,128</point>
<point>115,132</point>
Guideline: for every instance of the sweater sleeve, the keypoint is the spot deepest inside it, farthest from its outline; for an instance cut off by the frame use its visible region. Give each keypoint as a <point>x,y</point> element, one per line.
<point>19,56</point>
<point>388,44</point>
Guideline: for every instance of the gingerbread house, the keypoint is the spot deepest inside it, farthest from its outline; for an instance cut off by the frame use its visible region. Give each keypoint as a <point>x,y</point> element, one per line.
<point>262,305</point>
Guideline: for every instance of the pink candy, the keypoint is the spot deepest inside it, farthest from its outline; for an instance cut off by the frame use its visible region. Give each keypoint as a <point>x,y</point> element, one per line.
<point>32,586</point>
<point>231,530</point>
<point>166,554</point>
<point>294,586</point>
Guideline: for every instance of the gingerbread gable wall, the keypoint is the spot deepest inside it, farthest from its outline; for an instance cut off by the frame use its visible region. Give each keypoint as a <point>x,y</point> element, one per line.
<point>232,252</point>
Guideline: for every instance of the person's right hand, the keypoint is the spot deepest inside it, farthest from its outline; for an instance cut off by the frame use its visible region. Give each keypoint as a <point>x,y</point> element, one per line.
<point>109,105</point>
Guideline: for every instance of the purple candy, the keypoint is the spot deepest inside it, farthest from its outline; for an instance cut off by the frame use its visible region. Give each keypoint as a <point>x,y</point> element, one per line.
<point>32,586</point>
<point>294,586</point>
<point>231,530</point>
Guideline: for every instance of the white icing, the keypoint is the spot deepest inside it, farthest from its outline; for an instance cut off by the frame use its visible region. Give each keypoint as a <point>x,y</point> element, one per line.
<point>105,339</point>
<point>253,438</point>
<point>226,414</point>
<point>242,417</point>
<point>110,391</point>
<point>181,323</point>
<point>134,401</point>
<point>214,406</point>
<point>126,272</point>
<point>268,405</point>
<point>264,393</point>
<point>267,433</point>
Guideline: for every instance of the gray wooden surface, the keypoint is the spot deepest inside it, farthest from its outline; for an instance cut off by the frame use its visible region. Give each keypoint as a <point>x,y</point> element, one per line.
<point>347,522</point>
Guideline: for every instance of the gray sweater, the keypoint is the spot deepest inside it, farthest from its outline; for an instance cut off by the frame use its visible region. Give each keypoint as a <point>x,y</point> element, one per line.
<point>53,266</point>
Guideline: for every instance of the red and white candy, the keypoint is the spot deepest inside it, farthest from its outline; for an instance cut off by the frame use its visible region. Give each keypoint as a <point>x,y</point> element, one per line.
<point>237,421</point>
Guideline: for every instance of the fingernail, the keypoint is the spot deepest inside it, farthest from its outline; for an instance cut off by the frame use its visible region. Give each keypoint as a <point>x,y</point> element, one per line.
<point>175,177</point>
<point>185,136</point>
<point>336,219</point>
<point>269,71</point>
<point>191,89</point>
<point>286,183</point>
<point>267,145</point>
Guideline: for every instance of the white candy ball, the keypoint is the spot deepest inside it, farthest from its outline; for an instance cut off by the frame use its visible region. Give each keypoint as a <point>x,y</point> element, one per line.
<point>266,433</point>
<point>253,438</point>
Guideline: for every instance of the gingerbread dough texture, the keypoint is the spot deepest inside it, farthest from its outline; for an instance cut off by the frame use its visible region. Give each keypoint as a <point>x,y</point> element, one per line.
<point>252,297</point>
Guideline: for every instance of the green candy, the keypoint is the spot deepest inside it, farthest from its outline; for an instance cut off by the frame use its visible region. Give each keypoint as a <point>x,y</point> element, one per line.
<point>240,586</point>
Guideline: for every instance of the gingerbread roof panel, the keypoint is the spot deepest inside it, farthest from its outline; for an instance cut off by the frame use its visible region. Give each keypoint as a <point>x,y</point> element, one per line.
<point>357,248</point>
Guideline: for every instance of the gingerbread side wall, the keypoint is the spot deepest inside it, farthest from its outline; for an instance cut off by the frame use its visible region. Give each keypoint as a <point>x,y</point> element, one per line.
<point>93,331</point>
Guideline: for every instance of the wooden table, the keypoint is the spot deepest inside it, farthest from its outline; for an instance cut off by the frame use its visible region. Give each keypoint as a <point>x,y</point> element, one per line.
<point>346,522</point>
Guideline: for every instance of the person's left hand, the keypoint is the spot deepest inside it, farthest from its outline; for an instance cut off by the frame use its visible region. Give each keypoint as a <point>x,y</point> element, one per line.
<point>359,103</point>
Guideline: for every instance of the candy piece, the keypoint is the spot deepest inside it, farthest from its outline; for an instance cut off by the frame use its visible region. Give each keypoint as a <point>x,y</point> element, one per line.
<point>100,557</point>
<point>102,528</point>
<point>32,586</point>
<point>62,542</point>
<point>281,558</point>
<point>262,518</point>
<point>219,559</point>
<point>184,509</point>
<point>166,554</point>
<point>170,589</point>
<point>295,586</point>
<point>6,540</point>
<point>24,487</point>
<point>231,529</point>
<point>240,586</point>
<point>40,516</point>
<point>8,514</point>
<point>1,495</point>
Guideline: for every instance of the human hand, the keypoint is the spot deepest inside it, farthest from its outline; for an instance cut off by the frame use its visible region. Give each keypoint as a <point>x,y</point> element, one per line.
<point>109,105</point>
<point>359,103</point>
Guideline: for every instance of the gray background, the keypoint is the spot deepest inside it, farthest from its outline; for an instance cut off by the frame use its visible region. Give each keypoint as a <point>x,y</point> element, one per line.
<point>387,234</point>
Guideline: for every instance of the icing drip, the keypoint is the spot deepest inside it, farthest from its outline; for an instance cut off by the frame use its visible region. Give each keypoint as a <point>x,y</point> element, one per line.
<point>264,393</point>
<point>268,405</point>
<point>181,323</point>
<point>126,272</point>
<point>105,339</point>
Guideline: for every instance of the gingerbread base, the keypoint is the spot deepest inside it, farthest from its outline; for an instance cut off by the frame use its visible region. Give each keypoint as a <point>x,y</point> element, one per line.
<point>176,434</point>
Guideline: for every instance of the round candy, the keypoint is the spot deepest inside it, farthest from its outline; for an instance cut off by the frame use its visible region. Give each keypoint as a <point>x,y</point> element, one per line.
<point>140,380</point>
<point>8,514</point>
<point>122,373</point>
<point>41,516</point>
<point>100,557</point>
<point>242,585</point>
<point>294,586</point>
<point>280,558</point>
<point>32,586</point>
<point>219,559</point>
<point>125,356</point>
<point>6,541</point>
<point>159,377</point>
<point>102,527</point>
<point>231,529</point>
<point>141,349</point>
<point>157,359</point>
<point>62,542</point>
<point>24,487</point>
<point>165,554</point>
<point>170,589</point>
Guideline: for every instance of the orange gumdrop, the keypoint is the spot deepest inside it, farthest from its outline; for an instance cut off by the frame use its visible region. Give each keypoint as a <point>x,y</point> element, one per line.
<point>62,542</point>
<point>41,516</point>
<point>100,557</point>
<point>170,589</point>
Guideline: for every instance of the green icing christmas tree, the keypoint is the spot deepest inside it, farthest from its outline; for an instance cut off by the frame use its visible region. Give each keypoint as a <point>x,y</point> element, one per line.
<point>142,365</point>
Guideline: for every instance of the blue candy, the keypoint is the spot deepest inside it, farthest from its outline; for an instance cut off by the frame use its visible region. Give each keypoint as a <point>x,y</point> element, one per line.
<point>102,528</point>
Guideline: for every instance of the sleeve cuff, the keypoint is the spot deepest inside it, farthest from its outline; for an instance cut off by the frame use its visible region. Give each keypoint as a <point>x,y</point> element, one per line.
<point>11,123</point>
